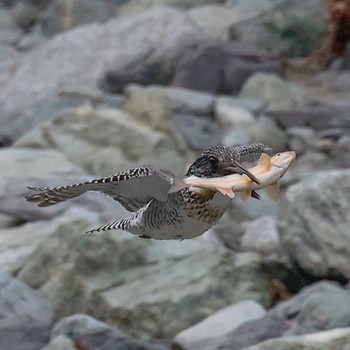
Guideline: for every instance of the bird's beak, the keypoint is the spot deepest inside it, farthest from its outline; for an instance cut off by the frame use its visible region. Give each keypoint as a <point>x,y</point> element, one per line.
<point>238,168</point>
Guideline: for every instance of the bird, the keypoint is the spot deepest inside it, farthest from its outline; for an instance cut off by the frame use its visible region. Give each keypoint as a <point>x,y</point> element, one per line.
<point>145,191</point>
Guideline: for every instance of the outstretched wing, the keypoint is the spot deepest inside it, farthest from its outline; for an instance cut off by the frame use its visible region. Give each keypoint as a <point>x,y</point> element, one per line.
<point>132,188</point>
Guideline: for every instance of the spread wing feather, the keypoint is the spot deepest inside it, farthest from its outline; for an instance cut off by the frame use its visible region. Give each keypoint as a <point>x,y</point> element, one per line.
<point>132,188</point>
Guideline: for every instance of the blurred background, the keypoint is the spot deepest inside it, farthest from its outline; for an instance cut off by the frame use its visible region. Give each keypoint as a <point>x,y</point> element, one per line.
<point>92,87</point>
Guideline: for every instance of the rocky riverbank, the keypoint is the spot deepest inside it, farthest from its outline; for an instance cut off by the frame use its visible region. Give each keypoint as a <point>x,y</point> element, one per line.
<point>91,87</point>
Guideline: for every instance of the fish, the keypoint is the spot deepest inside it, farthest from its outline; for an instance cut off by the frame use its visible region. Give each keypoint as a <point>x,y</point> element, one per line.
<point>268,171</point>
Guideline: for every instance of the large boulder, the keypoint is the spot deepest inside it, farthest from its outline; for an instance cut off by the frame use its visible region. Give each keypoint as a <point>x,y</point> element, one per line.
<point>275,24</point>
<point>84,54</point>
<point>104,141</point>
<point>95,335</point>
<point>221,67</point>
<point>26,317</point>
<point>315,223</point>
<point>218,324</point>
<point>142,286</point>
<point>336,339</point>
<point>319,307</point>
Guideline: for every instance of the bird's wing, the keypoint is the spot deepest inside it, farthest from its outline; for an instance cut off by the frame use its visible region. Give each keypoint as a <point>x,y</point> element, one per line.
<point>251,152</point>
<point>132,188</point>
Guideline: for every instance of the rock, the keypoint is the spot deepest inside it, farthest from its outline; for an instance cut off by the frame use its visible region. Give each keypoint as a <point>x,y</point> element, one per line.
<point>95,335</point>
<point>62,16</point>
<point>37,79</point>
<point>277,93</point>
<point>197,133</point>
<point>271,325</point>
<point>274,25</point>
<point>218,324</point>
<point>136,6</point>
<point>314,208</point>
<point>129,282</point>
<point>335,339</point>
<point>307,315</point>
<point>340,154</point>
<point>307,311</point>
<point>261,236</point>
<point>318,117</point>
<point>25,15</point>
<point>26,317</point>
<point>154,105</point>
<point>301,138</point>
<point>104,141</point>
<point>214,20</point>
<point>322,311</point>
<point>221,67</point>
<point>19,242</point>
<point>60,342</point>
<point>230,115</point>
<point>265,130</point>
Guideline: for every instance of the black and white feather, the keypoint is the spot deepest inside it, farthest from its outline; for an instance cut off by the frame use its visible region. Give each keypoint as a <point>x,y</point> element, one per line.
<point>145,192</point>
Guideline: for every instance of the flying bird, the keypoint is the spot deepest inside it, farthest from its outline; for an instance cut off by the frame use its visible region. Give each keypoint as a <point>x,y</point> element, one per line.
<point>157,212</point>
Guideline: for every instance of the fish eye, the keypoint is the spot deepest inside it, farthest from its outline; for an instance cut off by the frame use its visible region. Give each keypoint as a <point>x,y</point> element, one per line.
<point>278,154</point>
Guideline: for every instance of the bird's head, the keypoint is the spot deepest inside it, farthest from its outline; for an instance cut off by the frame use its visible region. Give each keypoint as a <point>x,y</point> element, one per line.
<point>215,161</point>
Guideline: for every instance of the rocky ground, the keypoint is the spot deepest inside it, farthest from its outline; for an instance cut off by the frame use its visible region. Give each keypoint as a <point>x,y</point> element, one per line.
<point>90,87</point>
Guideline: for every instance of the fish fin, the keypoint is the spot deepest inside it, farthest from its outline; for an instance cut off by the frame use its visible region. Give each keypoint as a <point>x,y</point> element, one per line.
<point>177,185</point>
<point>274,192</point>
<point>226,191</point>
<point>264,161</point>
<point>245,195</point>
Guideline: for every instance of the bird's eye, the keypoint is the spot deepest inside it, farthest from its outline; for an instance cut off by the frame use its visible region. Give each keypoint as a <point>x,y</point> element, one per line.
<point>278,154</point>
<point>213,159</point>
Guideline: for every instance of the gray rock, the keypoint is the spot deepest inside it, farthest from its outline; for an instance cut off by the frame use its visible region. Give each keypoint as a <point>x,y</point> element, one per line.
<point>277,93</point>
<point>274,24</point>
<point>308,311</point>
<point>267,131</point>
<point>95,335</point>
<point>136,6</point>
<point>302,138</point>
<point>315,223</point>
<point>261,236</point>
<point>321,306</point>
<point>19,242</point>
<point>138,287</point>
<point>37,79</point>
<point>271,325</point>
<point>214,20</point>
<point>230,115</point>
<point>60,342</point>
<point>154,105</point>
<point>218,324</point>
<point>60,16</point>
<point>316,117</point>
<point>221,67</point>
<point>26,317</point>
<point>197,133</point>
<point>336,339</point>
<point>104,141</point>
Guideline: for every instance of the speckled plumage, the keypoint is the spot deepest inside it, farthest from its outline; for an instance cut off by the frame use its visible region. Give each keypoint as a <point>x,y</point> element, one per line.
<point>144,191</point>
